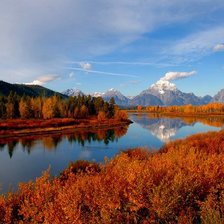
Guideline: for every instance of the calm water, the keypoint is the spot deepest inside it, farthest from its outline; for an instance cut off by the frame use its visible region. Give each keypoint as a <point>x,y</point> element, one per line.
<point>25,158</point>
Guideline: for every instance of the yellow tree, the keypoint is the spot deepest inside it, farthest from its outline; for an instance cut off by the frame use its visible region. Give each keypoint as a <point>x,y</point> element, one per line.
<point>36,105</point>
<point>83,111</point>
<point>51,108</point>
<point>101,116</point>
<point>25,108</point>
<point>47,110</point>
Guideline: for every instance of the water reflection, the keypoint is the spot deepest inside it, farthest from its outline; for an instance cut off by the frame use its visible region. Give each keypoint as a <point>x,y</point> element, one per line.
<point>25,158</point>
<point>166,128</point>
<point>51,141</point>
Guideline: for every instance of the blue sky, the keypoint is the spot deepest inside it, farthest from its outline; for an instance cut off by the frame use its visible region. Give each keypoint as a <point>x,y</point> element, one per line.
<point>123,44</point>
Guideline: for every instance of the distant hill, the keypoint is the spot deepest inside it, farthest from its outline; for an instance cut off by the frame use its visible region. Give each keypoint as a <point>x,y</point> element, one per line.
<point>29,90</point>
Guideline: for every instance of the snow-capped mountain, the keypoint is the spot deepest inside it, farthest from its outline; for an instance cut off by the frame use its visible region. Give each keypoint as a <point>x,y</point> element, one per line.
<point>119,98</point>
<point>168,93</point>
<point>219,97</point>
<point>73,92</point>
<point>97,94</point>
<point>162,92</point>
<point>130,97</point>
<point>162,86</point>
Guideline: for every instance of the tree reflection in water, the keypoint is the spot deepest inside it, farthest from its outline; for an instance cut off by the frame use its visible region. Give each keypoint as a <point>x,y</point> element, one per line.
<point>51,141</point>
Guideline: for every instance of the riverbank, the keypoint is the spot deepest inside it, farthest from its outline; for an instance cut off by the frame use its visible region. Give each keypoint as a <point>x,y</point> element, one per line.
<point>175,114</point>
<point>182,183</point>
<point>20,127</point>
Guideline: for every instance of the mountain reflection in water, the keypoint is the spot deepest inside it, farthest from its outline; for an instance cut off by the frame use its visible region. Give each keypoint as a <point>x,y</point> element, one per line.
<point>164,128</point>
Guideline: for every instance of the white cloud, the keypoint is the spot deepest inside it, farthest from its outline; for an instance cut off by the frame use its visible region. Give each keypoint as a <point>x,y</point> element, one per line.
<point>138,63</point>
<point>165,84</point>
<point>35,82</point>
<point>48,32</point>
<point>86,66</point>
<point>100,72</point>
<point>196,45</point>
<point>43,80</point>
<point>219,47</point>
<point>169,76</point>
<point>71,74</point>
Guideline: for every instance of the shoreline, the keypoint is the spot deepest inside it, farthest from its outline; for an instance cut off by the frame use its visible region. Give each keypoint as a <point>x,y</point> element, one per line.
<point>179,114</point>
<point>57,126</point>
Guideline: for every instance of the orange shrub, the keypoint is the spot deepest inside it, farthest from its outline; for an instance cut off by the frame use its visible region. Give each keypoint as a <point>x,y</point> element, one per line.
<point>121,115</point>
<point>183,183</point>
<point>101,116</point>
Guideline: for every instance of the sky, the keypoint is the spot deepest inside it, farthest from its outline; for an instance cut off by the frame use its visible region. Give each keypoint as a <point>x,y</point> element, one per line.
<point>95,45</point>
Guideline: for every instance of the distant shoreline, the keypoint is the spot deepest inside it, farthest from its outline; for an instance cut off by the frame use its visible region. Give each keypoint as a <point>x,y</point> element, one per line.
<point>23,127</point>
<point>174,114</point>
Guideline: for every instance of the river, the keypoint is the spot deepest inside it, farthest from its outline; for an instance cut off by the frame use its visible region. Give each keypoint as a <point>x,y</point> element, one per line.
<point>24,159</point>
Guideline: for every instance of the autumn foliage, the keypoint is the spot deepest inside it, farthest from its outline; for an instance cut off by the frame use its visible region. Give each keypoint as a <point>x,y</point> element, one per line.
<point>14,106</point>
<point>211,108</point>
<point>182,183</point>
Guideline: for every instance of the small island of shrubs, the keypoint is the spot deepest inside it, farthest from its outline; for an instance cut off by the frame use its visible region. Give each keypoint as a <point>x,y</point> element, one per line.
<point>21,115</point>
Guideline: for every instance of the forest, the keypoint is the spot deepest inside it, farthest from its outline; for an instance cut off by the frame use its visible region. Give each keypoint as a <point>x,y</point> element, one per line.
<point>26,107</point>
<point>182,183</point>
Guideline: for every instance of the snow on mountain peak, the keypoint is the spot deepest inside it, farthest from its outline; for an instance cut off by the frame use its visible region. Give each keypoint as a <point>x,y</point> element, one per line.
<point>73,92</point>
<point>163,85</point>
<point>112,90</point>
<point>97,94</point>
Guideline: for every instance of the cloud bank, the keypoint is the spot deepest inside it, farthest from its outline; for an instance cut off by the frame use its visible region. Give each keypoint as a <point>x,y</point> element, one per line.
<point>165,83</point>
<point>43,80</point>
<point>219,47</point>
<point>169,76</point>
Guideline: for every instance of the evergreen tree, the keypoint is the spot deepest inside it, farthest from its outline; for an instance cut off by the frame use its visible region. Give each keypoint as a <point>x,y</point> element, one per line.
<point>2,107</point>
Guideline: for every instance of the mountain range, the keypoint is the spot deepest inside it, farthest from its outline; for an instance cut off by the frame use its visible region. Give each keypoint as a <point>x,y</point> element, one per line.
<point>161,93</point>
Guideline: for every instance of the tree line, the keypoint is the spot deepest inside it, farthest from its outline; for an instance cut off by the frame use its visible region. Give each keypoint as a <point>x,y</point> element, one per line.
<point>211,108</point>
<point>26,107</point>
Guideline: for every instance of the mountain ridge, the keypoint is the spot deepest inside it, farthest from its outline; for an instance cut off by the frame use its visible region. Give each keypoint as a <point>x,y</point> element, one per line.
<point>219,97</point>
<point>29,90</point>
<point>162,93</point>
